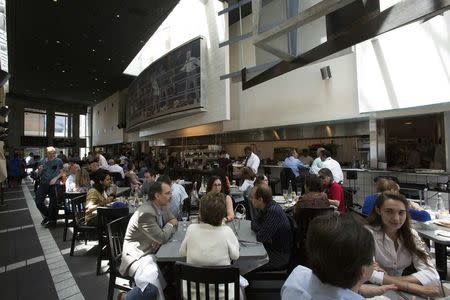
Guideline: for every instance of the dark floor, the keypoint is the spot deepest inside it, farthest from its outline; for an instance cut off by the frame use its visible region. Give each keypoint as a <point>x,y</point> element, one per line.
<point>36,265</point>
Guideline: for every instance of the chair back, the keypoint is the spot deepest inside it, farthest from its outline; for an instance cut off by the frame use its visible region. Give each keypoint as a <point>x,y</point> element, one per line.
<point>304,217</point>
<point>287,175</point>
<point>201,278</point>
<point>115,232</point>
<point>78,205</point>
<point>106,215</point>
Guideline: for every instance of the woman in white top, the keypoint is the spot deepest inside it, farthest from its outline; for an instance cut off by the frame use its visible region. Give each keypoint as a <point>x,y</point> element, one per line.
<point>397,245</point>
<point>210,243</point>
<point>249,179</point>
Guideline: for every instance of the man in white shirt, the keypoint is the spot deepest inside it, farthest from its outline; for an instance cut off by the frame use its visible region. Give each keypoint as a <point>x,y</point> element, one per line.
<point>252,160</point>
<point>70,181</point>
<point>178,195</point>
<point>317,163</point>
<point>115,168</point>
<point>101,161</point>
<point>333,165</point>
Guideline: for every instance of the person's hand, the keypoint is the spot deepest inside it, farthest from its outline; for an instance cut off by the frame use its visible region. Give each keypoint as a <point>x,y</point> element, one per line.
<point>114,189</point>
<point>229,218</point>
<point>173,221</point>
<point>155,245</point>
<point>369,291</point>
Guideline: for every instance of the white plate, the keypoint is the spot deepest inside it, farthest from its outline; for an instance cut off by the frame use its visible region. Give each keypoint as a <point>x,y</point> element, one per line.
<point>279,199</point>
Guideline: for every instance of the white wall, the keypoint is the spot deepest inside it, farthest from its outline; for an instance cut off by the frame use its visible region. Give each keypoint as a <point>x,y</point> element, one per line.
<point>215,62</point>
<point>407,67</point>
<point>105,119</point>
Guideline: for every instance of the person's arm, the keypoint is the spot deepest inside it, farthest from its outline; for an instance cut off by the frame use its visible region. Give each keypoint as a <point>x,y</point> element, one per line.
<point>230,211</point>
<point>370,291</point>
<point>149,225</point>
<point>268,228</point>
<point>233,243</point>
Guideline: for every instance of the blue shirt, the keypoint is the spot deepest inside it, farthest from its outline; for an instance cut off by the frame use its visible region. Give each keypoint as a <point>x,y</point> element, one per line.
<point>51,169</point>
<point>295,164</point>
<point>418,215</point>
<point>302,284</point>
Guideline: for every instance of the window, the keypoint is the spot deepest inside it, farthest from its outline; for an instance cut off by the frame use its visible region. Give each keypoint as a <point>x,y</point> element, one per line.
<point>35,122</point>
<point>83,127</point>
<point>62,125</point>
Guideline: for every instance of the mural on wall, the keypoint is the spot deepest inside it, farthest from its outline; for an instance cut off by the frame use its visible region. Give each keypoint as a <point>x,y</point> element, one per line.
<point>169,85</point>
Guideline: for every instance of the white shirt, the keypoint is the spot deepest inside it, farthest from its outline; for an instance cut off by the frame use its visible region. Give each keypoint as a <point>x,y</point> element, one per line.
<point>116,169</point>
<point>178,195</point>
<point>316,166</point>
<point>102,162</point>
<point>70,183</point>
<point>303,284</point>
<point>335,168</point>
<point>253,162</point>
<point>395,261</point>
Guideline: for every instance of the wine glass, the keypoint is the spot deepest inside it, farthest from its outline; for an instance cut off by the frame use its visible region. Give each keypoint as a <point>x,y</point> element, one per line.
<point>285,195</point>
<point>184,218</point>
<point>239,214</point>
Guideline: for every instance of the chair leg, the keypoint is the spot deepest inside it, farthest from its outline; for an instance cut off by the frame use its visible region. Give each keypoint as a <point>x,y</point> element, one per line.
<point>112,283</point>
<point>74,237</point>
<point>66,224</point>
<point>99,256</point>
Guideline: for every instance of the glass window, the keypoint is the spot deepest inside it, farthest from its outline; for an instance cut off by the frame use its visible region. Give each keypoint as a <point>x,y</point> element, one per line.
<point>62,126</point>
<point>35,122</point>
<point>83,127</point>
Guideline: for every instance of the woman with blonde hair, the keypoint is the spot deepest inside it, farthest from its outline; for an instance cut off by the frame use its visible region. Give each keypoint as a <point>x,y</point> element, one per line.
<point>82,181</point>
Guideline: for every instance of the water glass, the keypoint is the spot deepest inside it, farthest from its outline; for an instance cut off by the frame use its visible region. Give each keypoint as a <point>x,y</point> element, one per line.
<point>184,218</point>
<point>285,195</point>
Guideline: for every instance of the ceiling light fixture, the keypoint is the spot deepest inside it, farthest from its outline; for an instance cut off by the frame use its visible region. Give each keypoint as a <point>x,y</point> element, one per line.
<point>93,50</point>
<point>95,78</point>
<point>64,71</point>
<point>117,16</point>
<point>109,58</point>
<point>58,42</point>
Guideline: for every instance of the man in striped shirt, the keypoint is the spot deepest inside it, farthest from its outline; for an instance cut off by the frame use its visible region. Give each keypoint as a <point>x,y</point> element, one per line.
<point>272,228</point>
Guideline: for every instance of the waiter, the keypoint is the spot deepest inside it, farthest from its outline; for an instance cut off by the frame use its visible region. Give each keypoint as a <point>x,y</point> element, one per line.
<point>251,159</point>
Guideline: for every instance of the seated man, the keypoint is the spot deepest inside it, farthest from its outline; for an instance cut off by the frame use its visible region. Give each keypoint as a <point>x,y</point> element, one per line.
<point>272,228</point>
<point>178,195</point>
<point>150,226</point>
<point>149,179</point>
<point>340,255</point>
<point>113,167</point>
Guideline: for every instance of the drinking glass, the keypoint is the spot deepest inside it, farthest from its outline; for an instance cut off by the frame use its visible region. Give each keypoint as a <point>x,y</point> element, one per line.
<point>184,218</point>
<point>285,195</point>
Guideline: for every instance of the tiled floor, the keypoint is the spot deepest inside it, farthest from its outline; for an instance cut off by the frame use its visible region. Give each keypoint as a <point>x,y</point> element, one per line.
<point>35,262</point>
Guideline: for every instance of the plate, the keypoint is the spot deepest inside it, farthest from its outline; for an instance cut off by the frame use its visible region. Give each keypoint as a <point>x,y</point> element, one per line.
<point>441,222</point>
<point>279,199</point>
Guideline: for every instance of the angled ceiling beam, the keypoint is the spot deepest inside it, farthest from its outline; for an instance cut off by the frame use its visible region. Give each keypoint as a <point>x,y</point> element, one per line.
<point>319,10</point>
<point>367,27</point>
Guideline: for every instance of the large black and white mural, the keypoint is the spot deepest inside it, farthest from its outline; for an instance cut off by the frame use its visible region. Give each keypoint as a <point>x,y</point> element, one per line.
<point>169,85</point>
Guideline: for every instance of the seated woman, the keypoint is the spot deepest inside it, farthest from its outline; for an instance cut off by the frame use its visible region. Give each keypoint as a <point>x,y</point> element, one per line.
<point>249,179</point>
<point>340,253</point>
<point>97,196</point>
<point>133,179</point>
<point>397,246</point>
<point>215,185</point>
<point>261,179</point>
<point>334,190</point>
<point>82,181</point>
<point>221,246</point>
<point>384,185</point>
<point>313,197</point>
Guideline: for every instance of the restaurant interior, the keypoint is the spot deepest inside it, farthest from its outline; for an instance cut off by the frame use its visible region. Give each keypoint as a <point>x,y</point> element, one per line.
<point>193,89</point>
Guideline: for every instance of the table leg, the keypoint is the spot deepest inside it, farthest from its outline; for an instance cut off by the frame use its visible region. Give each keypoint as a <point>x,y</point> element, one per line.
<point>441,260</point>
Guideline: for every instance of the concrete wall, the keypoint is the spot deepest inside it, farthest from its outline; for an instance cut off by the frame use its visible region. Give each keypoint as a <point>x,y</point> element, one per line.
<point>105,119</point>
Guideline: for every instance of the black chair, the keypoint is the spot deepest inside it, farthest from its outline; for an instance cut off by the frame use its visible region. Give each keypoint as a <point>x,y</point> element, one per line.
<point>219,276</point>
<point>303,217</point>
<point>68,221</point>
<point>79,224</point>
<point>115,232</point>
<point>287,175</point>
<point>106,215</point>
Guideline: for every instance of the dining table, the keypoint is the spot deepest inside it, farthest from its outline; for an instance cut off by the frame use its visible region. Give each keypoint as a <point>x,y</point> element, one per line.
<point>252,254</point>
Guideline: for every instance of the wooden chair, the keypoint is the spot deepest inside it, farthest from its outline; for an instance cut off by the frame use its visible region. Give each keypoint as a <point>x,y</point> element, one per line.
<point>203,277</point>
<point>79,224</point>
<point>115,232</point>
<point>106,215</point>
